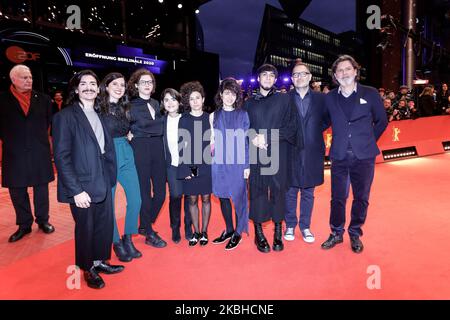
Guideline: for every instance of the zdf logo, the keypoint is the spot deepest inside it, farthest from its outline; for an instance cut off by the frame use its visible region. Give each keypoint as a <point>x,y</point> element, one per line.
<point>18,55</point>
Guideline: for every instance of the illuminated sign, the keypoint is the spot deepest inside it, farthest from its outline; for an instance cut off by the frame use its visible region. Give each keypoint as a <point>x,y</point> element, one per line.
<point>18,55</point>
<point>124,57</point>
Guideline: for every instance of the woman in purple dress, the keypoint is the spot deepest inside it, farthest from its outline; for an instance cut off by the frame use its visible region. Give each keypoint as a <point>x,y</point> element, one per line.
<point>230,166</point>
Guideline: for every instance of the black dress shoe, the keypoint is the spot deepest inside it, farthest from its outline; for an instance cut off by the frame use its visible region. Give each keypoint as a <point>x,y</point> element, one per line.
<point>154,240</point>
<point>234,241</point>
<point>204,239</point>
<point>194,239</point>
<point>107,268</point>
<point>16,236</point>
<point>332,240</point>
<point>357,245</point>
<point>223,237</point>
<point>93,279</point>
<point>46,227</point>
<point>176,236</point>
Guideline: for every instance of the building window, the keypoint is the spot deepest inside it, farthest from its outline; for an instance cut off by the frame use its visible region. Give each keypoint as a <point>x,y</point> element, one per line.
<point>289,25</point>
<point>280,61</point>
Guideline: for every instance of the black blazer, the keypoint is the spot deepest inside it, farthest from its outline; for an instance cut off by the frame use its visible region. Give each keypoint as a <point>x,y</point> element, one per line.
<point>78,157</point>
<point>26,158</point>
<point>308,155</point>
<point>365,126</point>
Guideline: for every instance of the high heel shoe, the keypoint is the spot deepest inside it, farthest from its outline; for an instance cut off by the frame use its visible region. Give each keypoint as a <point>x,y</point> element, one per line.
<point>194,240</point>
<point>204,239</point>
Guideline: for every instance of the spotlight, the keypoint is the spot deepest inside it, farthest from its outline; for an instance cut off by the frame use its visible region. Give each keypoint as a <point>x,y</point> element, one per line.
<point>399,153</point>
<point>180,6</point>
<point>252,80</point>
<point>197,11</point>
<point>160,1</point>
<point>446,145</point>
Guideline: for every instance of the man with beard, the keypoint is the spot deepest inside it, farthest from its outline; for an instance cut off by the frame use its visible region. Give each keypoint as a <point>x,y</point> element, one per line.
<point>273,130</point>
<point>358,119</point>
<point>86,162</point>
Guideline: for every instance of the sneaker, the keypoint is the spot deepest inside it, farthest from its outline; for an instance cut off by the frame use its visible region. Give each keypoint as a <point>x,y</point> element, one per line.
<point>308,236</point>
<point>154,240</point>
<point>289,234</point>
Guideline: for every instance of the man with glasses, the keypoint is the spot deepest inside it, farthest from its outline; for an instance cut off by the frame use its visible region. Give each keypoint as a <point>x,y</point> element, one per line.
<point>273,130</point>
<point>308,161</point>
<point>357,119</point>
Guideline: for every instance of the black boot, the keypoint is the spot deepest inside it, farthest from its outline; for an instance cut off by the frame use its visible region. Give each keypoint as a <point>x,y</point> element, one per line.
<point>260,239</point>
<point>129,246</point>
<point>277,241</point>
<point>121,252</point>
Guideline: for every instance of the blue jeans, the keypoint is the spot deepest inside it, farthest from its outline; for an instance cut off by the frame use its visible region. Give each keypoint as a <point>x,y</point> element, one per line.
<point>306,207</point>
<point>128,178</point>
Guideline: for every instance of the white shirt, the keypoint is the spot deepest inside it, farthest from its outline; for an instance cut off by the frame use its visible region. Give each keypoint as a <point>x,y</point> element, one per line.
<point>348,95</point>
<point>172,138</point>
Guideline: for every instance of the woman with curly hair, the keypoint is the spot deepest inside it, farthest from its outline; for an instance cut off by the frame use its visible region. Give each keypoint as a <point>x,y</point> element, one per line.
<point>230,167</point>
<point>147,130</point>
<point>114,107</point>
<point>195,158</point>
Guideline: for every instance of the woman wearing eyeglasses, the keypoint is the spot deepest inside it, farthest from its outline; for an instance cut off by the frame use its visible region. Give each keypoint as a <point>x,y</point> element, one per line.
<point>146,127</point>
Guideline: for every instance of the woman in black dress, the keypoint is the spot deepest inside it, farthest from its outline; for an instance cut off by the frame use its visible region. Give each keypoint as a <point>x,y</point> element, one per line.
<point>195,158</point>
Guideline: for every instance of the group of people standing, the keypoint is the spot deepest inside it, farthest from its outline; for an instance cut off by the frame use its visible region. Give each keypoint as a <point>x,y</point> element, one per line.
<point>114,131</point>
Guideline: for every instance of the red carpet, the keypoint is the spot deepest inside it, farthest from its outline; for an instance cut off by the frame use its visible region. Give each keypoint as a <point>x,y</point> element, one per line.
<point>406,236</point>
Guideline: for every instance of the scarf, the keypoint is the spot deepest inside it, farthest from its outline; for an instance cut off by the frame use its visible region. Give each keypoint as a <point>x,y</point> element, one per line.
<point>24,98</point>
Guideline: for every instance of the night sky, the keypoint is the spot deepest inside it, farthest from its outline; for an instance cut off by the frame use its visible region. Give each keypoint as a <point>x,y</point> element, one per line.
<point>231,28</point>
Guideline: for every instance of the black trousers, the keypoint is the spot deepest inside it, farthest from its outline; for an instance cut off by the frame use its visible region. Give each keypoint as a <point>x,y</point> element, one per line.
<point>151,169</point>
<point>176,195</point>
<point>267,204</point>
<point>21,202</point>
<point>93,232</point>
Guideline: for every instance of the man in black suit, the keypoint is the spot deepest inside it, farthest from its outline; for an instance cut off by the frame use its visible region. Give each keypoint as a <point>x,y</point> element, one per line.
<point>25,116</point>
<point>308,156</point>
<point>358,119</point>
<point>86,163</point>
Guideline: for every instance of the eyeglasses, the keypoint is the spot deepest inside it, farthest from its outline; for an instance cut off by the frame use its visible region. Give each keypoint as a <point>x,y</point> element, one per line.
<point>146,82</point>
<point>300,74</point>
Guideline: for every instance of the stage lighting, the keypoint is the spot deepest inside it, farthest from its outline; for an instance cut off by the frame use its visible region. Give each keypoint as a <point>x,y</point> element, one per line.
<point>399,153</point>
<point>327,162</point>
<point>446,145</point>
